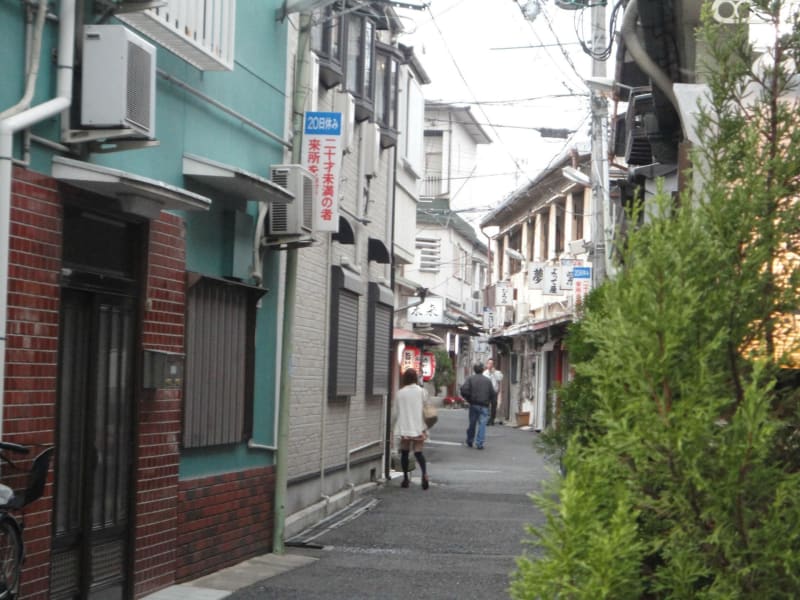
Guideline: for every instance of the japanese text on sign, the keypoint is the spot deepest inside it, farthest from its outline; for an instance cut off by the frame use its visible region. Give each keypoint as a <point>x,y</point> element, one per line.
<point>322,135</point>
<point>504,294</point>
<point>430,311</point>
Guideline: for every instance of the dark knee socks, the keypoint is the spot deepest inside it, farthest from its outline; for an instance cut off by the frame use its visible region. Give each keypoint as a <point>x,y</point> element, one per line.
<point>404,462</point>
<point>421,462</point>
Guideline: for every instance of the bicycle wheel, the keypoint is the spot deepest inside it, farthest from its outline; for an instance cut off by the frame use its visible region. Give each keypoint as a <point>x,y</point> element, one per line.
<point>10,556</point>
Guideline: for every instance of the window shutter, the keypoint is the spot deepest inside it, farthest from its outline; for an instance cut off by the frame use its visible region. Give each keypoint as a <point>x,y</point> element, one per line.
<point>379,339</point>
<point>343,344</point>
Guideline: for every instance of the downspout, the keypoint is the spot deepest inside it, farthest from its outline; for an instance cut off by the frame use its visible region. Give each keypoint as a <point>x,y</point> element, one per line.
<point>290,293</point>
<point>640,56</point>
<point>392,371</point>
<point>8,127</point>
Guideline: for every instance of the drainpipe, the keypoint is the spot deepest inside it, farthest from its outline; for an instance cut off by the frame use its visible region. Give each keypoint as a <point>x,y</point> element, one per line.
<point>8,127</point>
<point>289,295</point>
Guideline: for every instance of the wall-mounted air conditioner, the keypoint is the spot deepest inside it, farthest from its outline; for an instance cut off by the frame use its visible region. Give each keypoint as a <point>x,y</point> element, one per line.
<point>118,85</point>
<point>296,217</point>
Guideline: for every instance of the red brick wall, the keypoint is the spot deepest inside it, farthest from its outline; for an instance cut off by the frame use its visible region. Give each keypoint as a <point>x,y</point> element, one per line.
<point>32,349</point>
<point>223,520</point>
<point>32,367</point>
<point>160,415</point>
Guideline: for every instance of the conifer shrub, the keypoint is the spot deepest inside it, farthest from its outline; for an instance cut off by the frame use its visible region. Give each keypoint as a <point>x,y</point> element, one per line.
<point>682,467</point>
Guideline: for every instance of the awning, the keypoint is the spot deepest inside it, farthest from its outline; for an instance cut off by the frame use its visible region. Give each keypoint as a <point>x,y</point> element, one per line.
<point>234,182</point>
<point>130,193</point>
<point>377,251</point>
<point>345,235</point>
<point>406,335</point>
<point>523,328</point>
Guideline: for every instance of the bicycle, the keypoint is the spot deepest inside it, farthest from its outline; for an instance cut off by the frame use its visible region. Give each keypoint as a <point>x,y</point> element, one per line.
<point>12,548</point>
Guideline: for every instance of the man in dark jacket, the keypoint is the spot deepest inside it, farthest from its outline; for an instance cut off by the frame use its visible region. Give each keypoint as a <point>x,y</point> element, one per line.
<point>478,391</point>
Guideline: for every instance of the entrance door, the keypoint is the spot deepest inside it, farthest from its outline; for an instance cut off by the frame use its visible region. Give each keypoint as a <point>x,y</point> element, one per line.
<point>94,452</point>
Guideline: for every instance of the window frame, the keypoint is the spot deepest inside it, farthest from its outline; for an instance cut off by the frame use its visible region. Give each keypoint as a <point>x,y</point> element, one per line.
<point>328,43</point>
<point>210,432</point>
<point>387,98</point>
<point>378,354</point>
<point>361,83</point>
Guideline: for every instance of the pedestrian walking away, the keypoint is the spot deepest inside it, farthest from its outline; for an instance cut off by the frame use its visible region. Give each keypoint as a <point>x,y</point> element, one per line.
<point>496,378</point>
<point>409,425</point>
<point>478,391</point>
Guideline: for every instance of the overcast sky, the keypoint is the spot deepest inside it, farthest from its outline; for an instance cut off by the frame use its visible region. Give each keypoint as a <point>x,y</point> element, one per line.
<point>478,52</point>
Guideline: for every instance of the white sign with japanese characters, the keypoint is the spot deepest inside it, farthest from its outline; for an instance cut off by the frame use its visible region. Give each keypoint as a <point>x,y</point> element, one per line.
<point>536,276</point>
<point>504,294</point>
<point>551,285</point>
<point>582,281</point>
<point>322,156</point>
<point>488,318</point>
<point>430,311</point>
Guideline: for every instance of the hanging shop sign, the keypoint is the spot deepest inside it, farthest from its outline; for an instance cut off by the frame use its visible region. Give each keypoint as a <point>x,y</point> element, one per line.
<point>322,156</point>
<point>430,311</point>
<point>428,366</point>
<point>412,359</point>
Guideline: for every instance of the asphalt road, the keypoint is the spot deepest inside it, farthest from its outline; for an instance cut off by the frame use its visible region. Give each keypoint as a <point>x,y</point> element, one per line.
<point>457,540</point>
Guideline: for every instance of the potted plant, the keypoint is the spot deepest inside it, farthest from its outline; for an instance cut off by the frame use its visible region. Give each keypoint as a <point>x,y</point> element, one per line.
<point>445,374</point>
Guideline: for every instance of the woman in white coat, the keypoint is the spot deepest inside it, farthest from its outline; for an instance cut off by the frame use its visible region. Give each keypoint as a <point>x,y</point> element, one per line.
<point>409,424</point>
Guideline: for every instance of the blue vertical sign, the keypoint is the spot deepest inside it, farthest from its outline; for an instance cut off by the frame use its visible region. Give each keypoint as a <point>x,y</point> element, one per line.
<point>322,156</point>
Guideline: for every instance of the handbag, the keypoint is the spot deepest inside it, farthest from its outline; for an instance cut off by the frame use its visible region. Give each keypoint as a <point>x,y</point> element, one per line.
<point>429,414</point>
<point>395,462</point>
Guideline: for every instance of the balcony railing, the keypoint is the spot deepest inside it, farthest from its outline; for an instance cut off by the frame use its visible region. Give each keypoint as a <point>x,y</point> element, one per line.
<point>201,32</point>
<point>433,186</point>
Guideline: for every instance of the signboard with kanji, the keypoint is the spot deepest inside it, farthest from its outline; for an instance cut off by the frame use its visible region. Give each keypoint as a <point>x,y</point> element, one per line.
<point>581,282</point>
<point>551,285</point>
<point>428,366</point>
<point>536,276</point>
<point>430,311</point>
<point>488,318</point>
<point>504,294</point>
<point>566,273</point>
<point>412,359</point>
<point>322,156</point>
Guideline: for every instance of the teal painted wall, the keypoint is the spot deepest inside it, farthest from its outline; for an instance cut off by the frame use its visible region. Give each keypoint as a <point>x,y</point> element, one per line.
<point>216,241</point>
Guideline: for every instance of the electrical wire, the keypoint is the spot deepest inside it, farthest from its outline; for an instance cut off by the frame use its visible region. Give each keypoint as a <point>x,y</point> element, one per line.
<point>469,88</point>
<point>605,53</point>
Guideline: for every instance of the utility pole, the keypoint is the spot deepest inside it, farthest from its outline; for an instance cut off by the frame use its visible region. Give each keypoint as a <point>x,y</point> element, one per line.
<point>602,220</point>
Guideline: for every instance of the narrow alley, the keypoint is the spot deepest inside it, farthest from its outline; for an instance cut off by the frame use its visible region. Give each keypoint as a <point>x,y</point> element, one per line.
<point>458,539</point>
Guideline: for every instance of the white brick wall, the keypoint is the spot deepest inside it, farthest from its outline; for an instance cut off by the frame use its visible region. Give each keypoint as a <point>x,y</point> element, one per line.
<point>319,428</point>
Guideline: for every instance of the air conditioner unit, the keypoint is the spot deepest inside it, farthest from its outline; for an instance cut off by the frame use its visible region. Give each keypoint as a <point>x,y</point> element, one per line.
<point>294,218</point>
<point>118,85</point>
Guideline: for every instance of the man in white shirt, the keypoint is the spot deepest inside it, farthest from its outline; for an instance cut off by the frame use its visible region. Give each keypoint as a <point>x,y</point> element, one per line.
<point>497,378</point>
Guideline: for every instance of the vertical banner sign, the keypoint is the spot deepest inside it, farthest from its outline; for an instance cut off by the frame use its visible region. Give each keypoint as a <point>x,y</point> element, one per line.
<point>428,366</point>
<point>551,285</point>
<point>536,276</point>
<point>582,282</point>
<point>566,273</point>
<point>488,318</point>
<point>322,156</point>
<point>504,294</point>
<point>412,357</point>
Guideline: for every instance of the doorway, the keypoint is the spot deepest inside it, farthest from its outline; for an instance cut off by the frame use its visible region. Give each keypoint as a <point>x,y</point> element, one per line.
<point>95,410</point>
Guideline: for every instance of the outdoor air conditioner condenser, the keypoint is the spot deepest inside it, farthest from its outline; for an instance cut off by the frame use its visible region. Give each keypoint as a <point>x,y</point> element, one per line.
<point>118,85</point>
<point>294,218</point>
